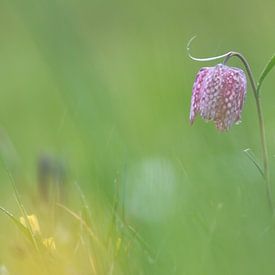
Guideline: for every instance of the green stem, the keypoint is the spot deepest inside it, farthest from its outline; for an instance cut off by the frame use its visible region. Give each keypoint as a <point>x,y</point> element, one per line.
<point>264,151</point>
<point>261,124</point>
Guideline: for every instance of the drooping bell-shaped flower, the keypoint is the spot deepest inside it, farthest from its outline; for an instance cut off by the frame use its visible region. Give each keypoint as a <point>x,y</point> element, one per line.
<point>218,95</point>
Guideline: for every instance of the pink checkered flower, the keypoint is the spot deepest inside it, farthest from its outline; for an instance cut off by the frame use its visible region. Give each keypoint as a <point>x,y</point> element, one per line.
<point>218,95</point>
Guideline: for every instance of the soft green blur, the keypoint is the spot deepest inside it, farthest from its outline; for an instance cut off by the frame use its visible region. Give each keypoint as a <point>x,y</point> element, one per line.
<point>105,87</point>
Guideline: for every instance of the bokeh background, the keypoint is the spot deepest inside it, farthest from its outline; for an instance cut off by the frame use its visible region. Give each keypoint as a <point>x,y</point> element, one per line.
<point>103,87</point>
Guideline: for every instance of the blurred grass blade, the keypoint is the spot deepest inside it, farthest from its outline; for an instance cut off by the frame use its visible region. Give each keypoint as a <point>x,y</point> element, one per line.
<point>20,205</point>
<point>115,207</point>
<point>265,72</point>
<point>81,220</point>
<point>87,218</point>
<point>19,225</point>
<point>86,213</point>
<point>142,242</point>
<point>249,154</point>
<point>22,209</point>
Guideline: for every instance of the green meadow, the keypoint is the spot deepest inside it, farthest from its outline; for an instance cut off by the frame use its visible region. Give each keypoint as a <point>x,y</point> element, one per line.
<point>101,172</point>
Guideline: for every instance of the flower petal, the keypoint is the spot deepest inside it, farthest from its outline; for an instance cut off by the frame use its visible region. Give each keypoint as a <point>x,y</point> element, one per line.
<point>212,93</point>
<point>233,96</point>
<point>196,93</point>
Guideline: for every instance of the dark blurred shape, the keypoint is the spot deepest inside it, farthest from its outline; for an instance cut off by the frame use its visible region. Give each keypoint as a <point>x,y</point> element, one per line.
<point>44,170</point>
<point>51,175</point>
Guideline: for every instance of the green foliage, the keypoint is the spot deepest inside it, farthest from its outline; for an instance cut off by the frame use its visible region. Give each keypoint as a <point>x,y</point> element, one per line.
<point>104,88</point>
<point>251,156</point>
<point>269,66</point>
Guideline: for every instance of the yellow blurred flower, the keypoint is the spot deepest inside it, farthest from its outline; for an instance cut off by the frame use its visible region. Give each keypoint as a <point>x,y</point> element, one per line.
<point>34,224</point>
<point>49,243</point>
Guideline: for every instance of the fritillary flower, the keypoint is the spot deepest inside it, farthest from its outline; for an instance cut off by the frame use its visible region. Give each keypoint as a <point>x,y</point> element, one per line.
<point>218,95</point>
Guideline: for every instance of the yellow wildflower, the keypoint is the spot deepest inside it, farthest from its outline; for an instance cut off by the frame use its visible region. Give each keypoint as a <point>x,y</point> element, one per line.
<point>49,243</point>
<point>34,224</point>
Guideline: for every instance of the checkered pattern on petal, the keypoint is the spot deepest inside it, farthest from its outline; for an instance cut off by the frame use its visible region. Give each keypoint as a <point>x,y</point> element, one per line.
<point>218,95</point>
<point>198,87</point>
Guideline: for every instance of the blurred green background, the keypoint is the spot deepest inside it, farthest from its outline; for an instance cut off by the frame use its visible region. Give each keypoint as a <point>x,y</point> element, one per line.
<point>105,87</point>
